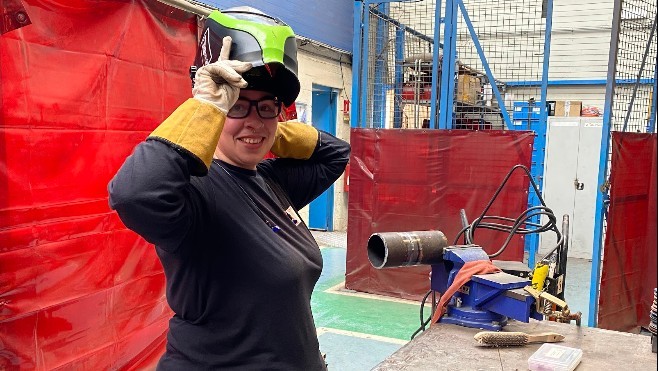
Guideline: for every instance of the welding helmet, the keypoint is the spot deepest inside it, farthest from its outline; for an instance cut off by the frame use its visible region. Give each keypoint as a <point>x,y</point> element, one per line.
<point>264,41</point>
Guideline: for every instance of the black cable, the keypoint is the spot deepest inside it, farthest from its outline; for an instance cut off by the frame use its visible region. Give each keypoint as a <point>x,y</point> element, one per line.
<point>460,234</point>
<point>516,228</point>
<point>422,307</point>
<point>423,322</point>
<point>522,225</point>
<point>421,328</point>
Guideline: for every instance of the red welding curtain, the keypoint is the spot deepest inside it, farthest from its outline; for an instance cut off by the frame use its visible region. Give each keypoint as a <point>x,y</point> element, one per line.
<point>628,276</point>
<point>80,87</point>
<point>411,180</point>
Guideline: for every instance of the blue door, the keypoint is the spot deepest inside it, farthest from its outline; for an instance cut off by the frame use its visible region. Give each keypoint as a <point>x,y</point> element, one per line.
<point>323,108</point>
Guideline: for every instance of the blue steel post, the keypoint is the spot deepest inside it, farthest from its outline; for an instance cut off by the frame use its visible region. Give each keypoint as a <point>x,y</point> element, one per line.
<point>356,65</point>
<point>448,66</point>
<point>450,115</point>
<point>651,125</point>
<point>652,119</point>
<point>379,86</point>
<point>575,82</point>
<point>485,63</point>
<point>532,240</point>
<point>603,167</point>
<point>435,65</point>
<point>365,59</point>
<point>399,77</point>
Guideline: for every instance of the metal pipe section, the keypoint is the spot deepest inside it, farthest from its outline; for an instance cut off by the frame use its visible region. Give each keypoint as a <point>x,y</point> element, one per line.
<point>400,249</point>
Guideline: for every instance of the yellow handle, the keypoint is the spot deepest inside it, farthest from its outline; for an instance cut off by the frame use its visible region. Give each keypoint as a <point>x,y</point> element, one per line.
<point>539,276</point>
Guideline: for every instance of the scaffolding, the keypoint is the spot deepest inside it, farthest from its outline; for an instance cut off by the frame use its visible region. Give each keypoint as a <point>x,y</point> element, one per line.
<point>630,103</point>
<point>494,54</point>
<point>458,64</point>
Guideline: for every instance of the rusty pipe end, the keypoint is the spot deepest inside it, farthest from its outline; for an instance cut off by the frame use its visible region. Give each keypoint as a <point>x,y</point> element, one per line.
<point>377,251</point>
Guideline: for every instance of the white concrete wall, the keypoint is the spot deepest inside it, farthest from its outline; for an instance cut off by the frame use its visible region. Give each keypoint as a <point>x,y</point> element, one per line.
<point>315,69</point>
<point>580,39</point>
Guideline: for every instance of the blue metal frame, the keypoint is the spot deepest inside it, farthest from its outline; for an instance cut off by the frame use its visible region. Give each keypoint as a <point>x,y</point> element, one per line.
<point>363,94</point>
<point>356,65</point>
<point>448,66</point>
<point>399,76</point>
<point>533,116</point>
<point>539,147</point>
<point>362,10</point>
<point>652,119</point>
<point>379,93</point>
<point>485,63</point>
<point>538,125</point>
<point>435,65</point>
<point>578,82</point>
<point>603,168</point>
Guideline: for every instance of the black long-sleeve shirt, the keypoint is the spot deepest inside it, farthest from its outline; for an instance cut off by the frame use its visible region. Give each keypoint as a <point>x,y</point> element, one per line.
<point>239,289</point>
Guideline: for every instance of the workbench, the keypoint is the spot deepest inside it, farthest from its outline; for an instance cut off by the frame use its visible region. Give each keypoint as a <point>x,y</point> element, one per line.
<point>452,347</point>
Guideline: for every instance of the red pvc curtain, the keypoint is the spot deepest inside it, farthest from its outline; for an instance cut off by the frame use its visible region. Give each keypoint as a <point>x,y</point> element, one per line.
<point>82,82</point>
<point>628,276</point>
<point>414,180</point>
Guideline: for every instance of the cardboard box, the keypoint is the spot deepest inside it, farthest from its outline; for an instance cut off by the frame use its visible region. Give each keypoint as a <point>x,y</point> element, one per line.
<point>413,115</point>
<point>469,88</point>
<point>566,108</point>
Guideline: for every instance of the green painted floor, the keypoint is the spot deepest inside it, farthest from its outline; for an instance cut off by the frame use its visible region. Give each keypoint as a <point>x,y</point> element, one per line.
<point>355,332</point>
<point>350,313</point>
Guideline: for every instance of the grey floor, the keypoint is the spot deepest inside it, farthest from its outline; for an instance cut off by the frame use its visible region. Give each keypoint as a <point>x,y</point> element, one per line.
<point>355,341</point>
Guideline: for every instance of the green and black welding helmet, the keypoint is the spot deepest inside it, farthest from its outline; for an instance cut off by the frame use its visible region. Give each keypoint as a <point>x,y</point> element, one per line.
<point>264,41</point>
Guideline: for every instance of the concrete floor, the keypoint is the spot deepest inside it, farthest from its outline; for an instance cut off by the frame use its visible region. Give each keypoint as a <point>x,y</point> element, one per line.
<point>358,330</point>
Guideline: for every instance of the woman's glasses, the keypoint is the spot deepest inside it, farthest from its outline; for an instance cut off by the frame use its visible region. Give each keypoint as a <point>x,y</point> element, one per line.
<point>267,108</point>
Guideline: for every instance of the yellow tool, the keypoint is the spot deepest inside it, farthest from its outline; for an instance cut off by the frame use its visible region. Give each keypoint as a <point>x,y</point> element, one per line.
<point>545,303</point>
<point>539,275</point>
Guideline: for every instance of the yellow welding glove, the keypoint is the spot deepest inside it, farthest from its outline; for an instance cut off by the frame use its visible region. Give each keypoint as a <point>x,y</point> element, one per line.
<point>295,140</point>
<point>195,126</point>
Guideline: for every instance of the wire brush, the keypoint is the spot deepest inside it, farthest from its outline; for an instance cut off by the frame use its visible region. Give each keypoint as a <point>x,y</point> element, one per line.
<point>511,339</point>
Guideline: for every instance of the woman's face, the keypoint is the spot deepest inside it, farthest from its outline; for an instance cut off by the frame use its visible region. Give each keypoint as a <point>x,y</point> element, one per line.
<point>244,142</point>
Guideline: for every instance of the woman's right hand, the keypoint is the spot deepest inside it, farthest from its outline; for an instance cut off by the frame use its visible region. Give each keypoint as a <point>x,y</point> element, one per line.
<point>219,83</point>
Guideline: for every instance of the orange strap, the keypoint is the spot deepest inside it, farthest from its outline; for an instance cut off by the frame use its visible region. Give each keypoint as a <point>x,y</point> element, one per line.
<point>463,276</point>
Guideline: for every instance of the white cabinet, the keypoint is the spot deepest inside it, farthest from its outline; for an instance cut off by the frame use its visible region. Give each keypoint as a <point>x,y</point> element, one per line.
<point>570,179</point>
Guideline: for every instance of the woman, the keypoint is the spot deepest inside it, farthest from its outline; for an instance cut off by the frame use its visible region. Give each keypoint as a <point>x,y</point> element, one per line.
<point>240,263</point>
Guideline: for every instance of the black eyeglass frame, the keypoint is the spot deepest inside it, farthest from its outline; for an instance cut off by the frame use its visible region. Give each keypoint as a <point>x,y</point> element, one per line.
<point>254,103</point>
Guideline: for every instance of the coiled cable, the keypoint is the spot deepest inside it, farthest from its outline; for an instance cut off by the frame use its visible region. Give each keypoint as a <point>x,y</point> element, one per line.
<point>522,225</point>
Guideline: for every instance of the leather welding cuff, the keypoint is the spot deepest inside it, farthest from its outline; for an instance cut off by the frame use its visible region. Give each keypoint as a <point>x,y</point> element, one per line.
<point>295,140</point>
<point>193,129</point>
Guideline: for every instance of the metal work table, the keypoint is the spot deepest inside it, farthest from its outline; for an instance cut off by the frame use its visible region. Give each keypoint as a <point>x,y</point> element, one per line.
<point>451,347</point>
